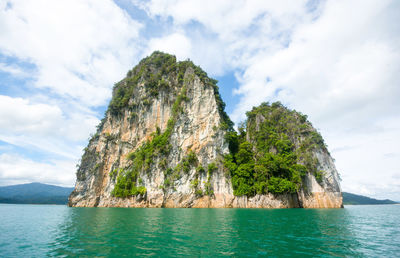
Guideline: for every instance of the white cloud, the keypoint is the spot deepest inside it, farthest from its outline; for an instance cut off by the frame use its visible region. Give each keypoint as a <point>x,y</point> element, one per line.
<point>327,60</point>
<point>230,31</point>
<point>176,43</point>
<point>371,162</point>
<point>15,169</point>
<point>80,48</point>
<point>19,116</point>
<point>43,126</point>
<point>226,18</point>
<point>13,70</point>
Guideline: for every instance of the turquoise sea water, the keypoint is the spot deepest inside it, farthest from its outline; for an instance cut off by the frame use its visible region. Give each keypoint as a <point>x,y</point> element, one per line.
<point>46,230</point>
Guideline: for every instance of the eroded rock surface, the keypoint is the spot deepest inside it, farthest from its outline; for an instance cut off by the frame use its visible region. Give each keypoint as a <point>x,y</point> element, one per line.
<point>160,95</point>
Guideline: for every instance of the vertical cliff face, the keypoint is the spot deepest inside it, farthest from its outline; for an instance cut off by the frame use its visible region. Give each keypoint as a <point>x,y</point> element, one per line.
<point>325,192</point>
<point>164,142</point>
<point>165,126</point>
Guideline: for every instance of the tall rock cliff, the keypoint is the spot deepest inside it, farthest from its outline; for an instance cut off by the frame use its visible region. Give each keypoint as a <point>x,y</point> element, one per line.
<point>166,141</point>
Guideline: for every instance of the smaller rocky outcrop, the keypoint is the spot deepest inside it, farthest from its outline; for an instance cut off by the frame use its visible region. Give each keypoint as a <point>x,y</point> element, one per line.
<point>278,151</point>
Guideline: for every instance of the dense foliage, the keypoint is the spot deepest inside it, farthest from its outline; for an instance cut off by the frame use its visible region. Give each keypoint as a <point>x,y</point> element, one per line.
<point>273,152</point>
<point>127,184</point>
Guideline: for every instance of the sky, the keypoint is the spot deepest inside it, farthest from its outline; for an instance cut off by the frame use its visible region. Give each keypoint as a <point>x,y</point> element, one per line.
<point>336,61</point>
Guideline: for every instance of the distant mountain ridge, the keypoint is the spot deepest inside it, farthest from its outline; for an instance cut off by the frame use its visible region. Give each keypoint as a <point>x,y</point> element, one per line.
<point>355,199</point>
<point>38,193</point>
<point>34,193</point>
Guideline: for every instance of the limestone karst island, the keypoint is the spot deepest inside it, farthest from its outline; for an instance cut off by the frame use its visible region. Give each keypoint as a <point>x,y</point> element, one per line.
<point>166,141</point>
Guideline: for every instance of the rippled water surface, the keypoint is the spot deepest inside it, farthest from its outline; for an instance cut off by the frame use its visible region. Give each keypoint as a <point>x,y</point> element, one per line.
<point>45,230</point>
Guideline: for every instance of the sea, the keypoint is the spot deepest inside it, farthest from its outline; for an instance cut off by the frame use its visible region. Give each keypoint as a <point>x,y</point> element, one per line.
<point>61,231</point>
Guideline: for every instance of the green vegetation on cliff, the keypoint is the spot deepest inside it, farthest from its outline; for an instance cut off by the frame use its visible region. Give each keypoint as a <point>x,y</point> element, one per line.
<point>272,152</point>
<point>156,73</point>
<point>151,72</point>
<point>143,157</point>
